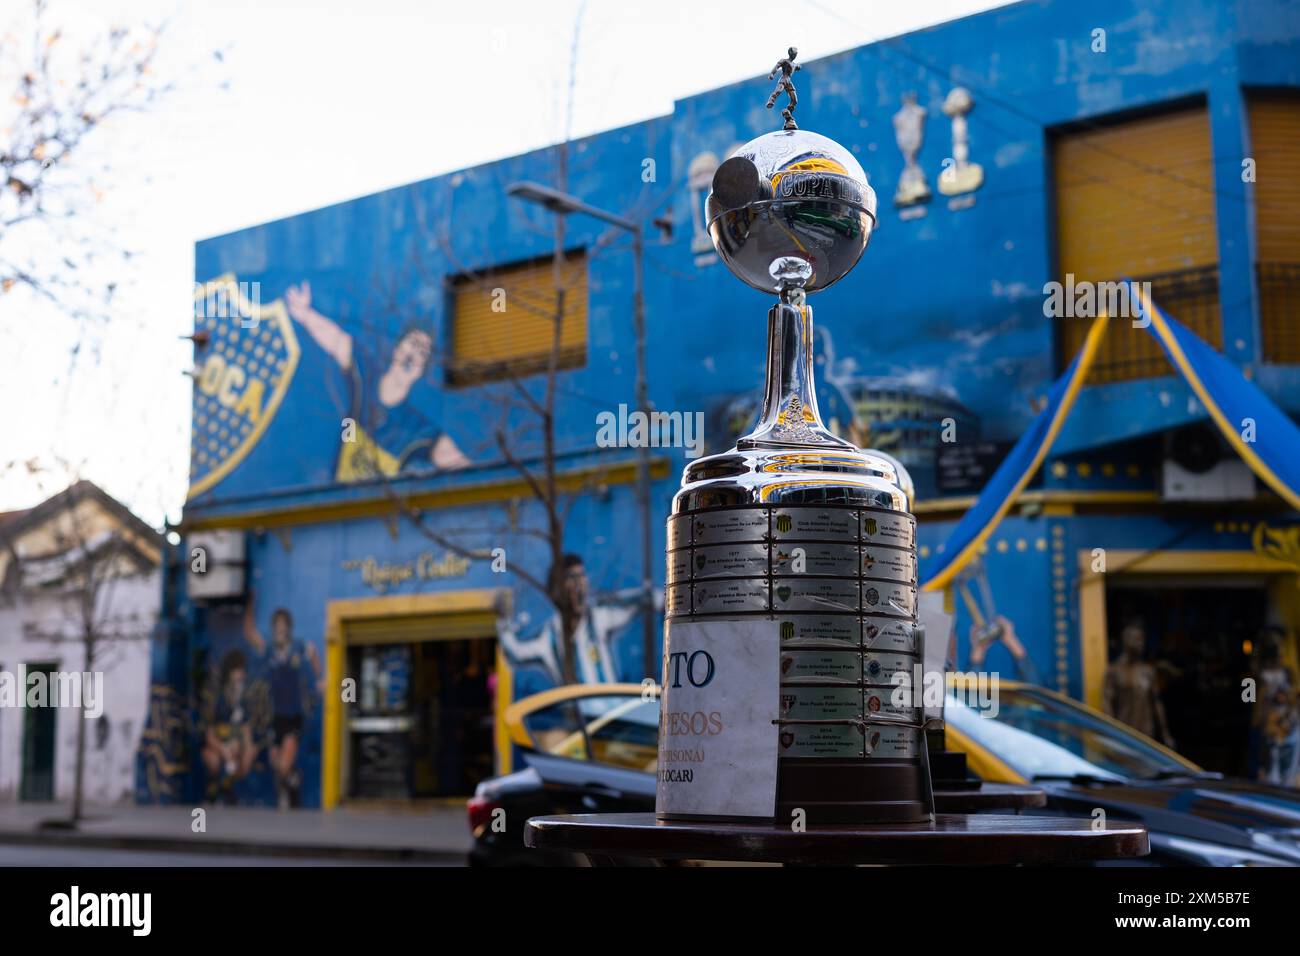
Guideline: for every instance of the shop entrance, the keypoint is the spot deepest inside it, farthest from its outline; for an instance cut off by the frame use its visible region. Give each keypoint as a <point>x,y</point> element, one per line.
<point>422,725</point>
<point>430,683</point>
<point>1201,635</point>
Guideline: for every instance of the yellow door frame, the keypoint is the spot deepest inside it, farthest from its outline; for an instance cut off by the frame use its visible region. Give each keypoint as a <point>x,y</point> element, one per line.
<point>476,607</point>
<point>1092,593</point>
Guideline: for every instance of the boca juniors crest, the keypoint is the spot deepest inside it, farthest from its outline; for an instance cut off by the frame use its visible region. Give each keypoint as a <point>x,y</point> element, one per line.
<point>244,370</point>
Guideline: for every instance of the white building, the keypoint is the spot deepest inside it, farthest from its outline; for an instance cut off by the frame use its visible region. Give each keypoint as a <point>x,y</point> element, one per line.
<point>75,565</point>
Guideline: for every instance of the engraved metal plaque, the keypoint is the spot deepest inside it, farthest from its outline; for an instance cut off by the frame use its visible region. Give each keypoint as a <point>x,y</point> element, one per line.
<point>879,667</point>
<point>888,633</point>
<point>881,597</point>
<point>834,524</point>
<point>677,599</point>
<point>820,740</point>
<point>730,595</point>
<point>821,703</point>
<point>730,560</point>
<point>821,665</point>
<point>880,700</point>
<point>815,594</point>
<point>728,527</point>
<point>679,566</point>
<point>679,532</point>
<point>882,527</point>
<point>818,558</point>
<point>893,564</point>
<point>883,741</point>
<point>832,629</point>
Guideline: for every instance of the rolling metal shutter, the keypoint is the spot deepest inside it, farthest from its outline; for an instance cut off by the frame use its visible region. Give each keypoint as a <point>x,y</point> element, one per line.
<point>1275,147</point>
<point>508,333</point>
<point>412,629</point>
<point>1135,200</point>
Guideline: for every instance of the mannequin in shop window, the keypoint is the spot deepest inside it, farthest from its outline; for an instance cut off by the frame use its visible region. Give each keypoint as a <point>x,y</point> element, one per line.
<point>1277,717</point>
<point>1131,688</point>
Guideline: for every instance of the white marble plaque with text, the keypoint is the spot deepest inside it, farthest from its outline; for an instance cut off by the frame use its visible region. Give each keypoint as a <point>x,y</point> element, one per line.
<point>717,739</point>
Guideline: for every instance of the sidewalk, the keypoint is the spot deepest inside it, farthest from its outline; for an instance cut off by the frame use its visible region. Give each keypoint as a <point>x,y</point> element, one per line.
<point>433,834</point>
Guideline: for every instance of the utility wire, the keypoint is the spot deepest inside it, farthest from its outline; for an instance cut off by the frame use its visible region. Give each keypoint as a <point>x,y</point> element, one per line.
<point>894,45</point>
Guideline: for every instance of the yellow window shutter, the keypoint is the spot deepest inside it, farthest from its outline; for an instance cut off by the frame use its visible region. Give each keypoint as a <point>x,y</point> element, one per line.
<point>1135,200</point>
<point>503,322</point>
<point>408,629</point>
<point>1275,148</point>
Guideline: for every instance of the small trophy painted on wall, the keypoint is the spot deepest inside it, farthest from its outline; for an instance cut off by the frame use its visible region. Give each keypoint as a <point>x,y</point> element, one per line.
<point>960,175</point>
<point>909,133</point>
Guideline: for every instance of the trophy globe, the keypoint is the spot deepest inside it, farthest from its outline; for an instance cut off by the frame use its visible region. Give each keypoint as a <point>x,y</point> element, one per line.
<point>795,549</point>
<point>791,209</point>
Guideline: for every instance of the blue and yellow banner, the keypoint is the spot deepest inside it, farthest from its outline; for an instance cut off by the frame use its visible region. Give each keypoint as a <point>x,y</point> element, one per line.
<point>938,570</point>
<point>1260,432</point>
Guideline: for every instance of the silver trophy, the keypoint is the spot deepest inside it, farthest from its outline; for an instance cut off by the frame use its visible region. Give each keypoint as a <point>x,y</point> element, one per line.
<point>791,558</point>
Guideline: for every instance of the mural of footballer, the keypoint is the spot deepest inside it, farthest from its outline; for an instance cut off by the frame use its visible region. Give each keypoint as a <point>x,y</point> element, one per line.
<point>390,435</point>
<point>600,623</point>
<point>228,751</point>
<point>294,673</point>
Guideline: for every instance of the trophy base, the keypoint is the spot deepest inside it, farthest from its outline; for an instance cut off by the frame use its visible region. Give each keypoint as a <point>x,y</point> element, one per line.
<point>851,791</point>
<point>948,771</point>
<point>948,767</point>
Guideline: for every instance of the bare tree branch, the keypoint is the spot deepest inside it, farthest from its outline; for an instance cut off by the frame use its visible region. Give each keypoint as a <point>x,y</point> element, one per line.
<point>56,93</point>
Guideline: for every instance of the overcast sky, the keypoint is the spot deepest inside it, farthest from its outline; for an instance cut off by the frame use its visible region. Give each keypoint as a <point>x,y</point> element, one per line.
<point>318,101</point>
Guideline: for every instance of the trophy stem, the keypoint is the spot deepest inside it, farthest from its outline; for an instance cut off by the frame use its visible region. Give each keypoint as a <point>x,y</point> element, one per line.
<point>790,417</point>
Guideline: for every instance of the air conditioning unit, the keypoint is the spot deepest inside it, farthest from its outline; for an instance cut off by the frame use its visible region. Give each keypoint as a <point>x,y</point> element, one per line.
<point>217,564</point>
<point>1199,466</point>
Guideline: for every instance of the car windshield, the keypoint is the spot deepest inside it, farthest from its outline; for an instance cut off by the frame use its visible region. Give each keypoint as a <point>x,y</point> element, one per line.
<point>1039,735</point>
<point>619,729</point>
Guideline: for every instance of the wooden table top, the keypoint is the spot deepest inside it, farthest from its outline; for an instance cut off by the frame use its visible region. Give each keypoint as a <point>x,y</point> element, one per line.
<point>977,839</point>
<point>990,796</point>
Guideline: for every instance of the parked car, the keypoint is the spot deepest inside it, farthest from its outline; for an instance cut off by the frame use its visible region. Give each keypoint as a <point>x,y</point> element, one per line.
<point>592,748</point>
<point>1087,761</point>
<point>586,748</point>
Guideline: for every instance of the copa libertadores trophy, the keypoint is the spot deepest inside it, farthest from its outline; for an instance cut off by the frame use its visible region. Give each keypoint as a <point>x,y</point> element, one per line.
<point>791,581</point>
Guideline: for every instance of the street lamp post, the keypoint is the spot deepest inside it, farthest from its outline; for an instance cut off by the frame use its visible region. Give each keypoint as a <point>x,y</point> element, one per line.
<point>563,204</point>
